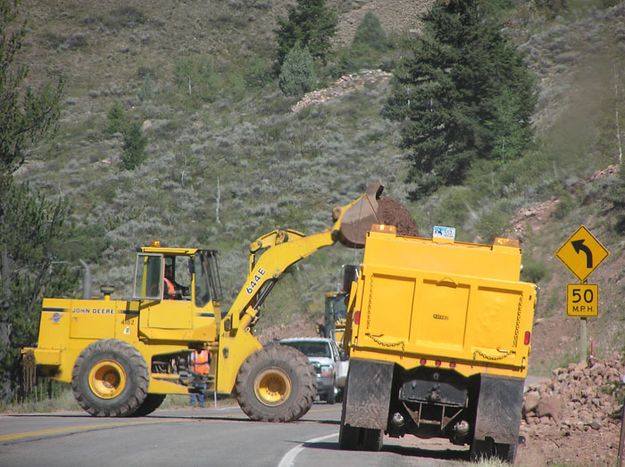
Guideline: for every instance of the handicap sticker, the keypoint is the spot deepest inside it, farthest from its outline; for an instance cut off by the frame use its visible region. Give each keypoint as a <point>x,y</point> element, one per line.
<point>56,317</point>
<point>444,232</point>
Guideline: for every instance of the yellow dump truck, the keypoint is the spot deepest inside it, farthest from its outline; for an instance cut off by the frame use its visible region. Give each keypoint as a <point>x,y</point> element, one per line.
<point>438,334</point>
<point>122,356</point>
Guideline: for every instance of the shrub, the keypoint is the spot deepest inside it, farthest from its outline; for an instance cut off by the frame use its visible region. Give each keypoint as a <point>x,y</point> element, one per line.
<point>146,91</point>
<point>297,74</point>
<point>454,207</point>
<point>135,143</point>
<point>491,224</point>
<point>117,119</point>
<point>195,77</point>
<point>124,17</point>
<point>258,73</point>
<point>533,271</point>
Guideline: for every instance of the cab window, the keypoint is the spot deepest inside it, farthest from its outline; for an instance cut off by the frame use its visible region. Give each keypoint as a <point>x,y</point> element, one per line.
<point>148,277</point>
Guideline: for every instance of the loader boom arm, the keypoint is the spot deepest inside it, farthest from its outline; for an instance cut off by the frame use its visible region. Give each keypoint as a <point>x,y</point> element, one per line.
<point>267,268</point>
<point>273,253</point>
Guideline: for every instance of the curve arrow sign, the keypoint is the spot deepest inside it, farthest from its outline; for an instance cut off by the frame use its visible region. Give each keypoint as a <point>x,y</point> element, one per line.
<point>579,245</point>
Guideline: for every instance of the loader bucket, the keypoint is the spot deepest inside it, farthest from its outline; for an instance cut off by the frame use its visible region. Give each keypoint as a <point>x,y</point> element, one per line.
<point>358,217</point>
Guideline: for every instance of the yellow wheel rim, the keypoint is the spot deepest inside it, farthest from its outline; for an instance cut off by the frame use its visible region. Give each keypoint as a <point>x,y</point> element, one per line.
<point>272,386</point>
<point>107,379</point>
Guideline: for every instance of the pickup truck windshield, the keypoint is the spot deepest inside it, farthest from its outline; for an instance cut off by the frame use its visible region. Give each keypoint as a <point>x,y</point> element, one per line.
<point>311,349</point>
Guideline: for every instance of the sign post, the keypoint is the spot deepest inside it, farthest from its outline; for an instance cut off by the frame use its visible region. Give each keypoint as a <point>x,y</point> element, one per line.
<point>582,253</point>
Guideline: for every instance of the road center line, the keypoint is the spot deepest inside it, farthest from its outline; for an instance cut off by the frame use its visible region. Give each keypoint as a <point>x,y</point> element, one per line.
<point>288,460</point>
<point>69,429</point>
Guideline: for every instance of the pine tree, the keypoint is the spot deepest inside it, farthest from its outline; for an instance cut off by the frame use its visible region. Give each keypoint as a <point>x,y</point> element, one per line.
<point>309,23</point>
<point>297,75</point>
<point>370,33</point>
<point>25,114</point>
<point>135,143</point>
<point>30,225</point>
<point>463,94</point>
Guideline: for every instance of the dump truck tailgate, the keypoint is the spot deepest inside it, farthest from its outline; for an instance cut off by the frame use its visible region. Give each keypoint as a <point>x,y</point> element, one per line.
<point>416,304</point>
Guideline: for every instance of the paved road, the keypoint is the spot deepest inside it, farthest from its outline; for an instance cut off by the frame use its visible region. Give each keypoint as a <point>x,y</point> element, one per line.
<point>220,437</point>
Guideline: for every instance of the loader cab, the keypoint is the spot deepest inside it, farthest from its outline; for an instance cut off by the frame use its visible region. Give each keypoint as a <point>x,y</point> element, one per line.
<point>192,307</point>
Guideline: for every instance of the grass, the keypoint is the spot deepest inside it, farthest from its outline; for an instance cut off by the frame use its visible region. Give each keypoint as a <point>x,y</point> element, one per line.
<point>64,401</point>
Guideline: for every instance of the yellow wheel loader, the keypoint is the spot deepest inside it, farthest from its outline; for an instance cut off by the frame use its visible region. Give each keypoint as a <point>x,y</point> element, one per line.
<point>122,357</point>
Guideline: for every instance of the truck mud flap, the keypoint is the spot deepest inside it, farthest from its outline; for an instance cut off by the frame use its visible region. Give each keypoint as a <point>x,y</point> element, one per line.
<point>499,409</point>
<point>368,394</point>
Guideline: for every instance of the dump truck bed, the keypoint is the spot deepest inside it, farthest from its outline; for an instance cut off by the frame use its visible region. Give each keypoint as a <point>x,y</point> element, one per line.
<point>437,303</point>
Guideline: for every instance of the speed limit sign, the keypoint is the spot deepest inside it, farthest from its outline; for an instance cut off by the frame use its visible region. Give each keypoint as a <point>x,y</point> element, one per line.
<point>582,300</point>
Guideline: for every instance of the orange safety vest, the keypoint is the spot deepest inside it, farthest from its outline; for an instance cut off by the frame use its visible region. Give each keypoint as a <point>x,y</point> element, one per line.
<point>200,362</point>
<point>170,290</point>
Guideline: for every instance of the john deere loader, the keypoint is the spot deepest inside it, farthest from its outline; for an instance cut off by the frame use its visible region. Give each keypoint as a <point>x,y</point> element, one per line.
<point>122,357</point>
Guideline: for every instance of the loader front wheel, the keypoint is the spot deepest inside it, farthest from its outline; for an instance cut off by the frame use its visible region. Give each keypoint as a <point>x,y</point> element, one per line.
<point>276,384</point>
<point>110,379</point>
<point>149,405</point>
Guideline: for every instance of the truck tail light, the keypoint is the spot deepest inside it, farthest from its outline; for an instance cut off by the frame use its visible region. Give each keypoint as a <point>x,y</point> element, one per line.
<point>452,364</point>
<point>423,361</point>
<point>357,317</point>
<point>527,338</point>
<point>438,363</point>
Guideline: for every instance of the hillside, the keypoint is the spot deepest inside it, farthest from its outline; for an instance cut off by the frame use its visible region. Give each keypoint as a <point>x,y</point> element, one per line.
<point>235,162</point>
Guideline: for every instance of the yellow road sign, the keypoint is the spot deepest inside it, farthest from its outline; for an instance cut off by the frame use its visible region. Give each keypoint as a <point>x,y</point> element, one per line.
<point>582,253</point>
<point>582,300</point>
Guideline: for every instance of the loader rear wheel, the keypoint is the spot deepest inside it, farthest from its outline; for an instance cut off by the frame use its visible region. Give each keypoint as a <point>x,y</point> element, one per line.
<point>276,384</point>
<point>150,404</point>
<point>110,379</point>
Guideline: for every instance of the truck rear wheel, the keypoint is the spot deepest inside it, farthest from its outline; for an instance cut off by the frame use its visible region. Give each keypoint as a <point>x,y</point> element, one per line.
<point>110,379</point>
<point>276,384</point>
<point>360,439</point>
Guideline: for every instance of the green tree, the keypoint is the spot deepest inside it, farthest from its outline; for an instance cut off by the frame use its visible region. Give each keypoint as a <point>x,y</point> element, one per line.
<point>297,75</point>
<point>370,33</point>
<point>367,50</point>
<point>311,24</point>
<point>25,114</point>
<point>135,143</point>
<point>463,94</point>
<point>118,120</point>
<point>30,226</point>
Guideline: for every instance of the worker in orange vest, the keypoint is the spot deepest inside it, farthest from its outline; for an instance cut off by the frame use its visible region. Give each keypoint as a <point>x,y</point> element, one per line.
<point>200,365</point>
<point>169,288</point>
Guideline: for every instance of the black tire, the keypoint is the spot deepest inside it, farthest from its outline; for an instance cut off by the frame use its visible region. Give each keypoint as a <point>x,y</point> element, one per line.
<point>372,439</point>
<point>110,379</point>
<point>354,438</point>
<point>331,397</point>
<point>348,437</point>
<point>360,439</point>
<point>150,404</point>
<point>276,384</point>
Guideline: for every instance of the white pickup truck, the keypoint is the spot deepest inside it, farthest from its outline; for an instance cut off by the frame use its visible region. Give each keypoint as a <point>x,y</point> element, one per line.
<point>329,363</point>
